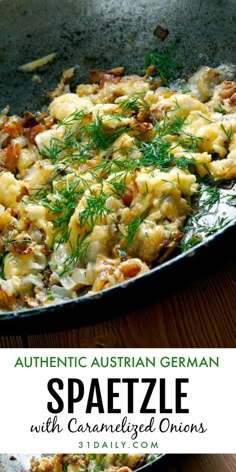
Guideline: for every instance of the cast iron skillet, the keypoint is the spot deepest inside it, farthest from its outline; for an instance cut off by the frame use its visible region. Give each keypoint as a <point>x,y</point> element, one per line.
<point>22,462</point>
<point>105,34</point>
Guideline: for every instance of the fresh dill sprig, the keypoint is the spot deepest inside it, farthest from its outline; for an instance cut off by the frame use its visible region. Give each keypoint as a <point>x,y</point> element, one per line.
<point>156,153</point>
<point>219,224</point>
<point>61,201</point>
<point>219,108</point>
<point>198,225</point>
<point>133,227</point>
<point>54,150</point>
<point>95,208</point>
<point>204,117</point>
<point>170,126</point>
<point>134,103</point>
<point>74,129</point>
<point>184,162</point>
<point>210,196</point>
<point>190,141</point>
<point>228,132</point>
<point>68,149</point>
<point>51,296</point>
<point>190,242</point>
<point>71,148</point>
<point>196,229</point>
<point>230,199</point>
<point>99,136</point>
<point>78,253</point>
<point>118,185</point>
<point>165,65</point>
<point>75,118</point>
<point>62,204</point>
<point>113,163</point>
<point>174,127</point>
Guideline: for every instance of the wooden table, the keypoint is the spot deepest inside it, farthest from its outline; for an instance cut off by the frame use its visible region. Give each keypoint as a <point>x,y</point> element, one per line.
<point>199,463</point>
<point>199,313</point>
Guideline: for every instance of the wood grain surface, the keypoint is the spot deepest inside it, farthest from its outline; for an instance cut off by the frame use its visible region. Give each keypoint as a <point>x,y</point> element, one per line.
<point>198,463</point>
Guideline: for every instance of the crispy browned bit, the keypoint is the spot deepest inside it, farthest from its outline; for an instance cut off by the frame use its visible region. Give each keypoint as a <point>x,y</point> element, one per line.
<point>6,142</point>
<point>161,32</point>
<point>46,277</point>
<point>49,121</point>
<point>12,458</point>
<point>142,129</point>
<point>13,128</point>
<point>128,197</point>
<point>150,69</point>
<point>2,246</point>
<point>41,116</point>
<point>118,71</point>
<point>95,76</point>
<point>232,100</point>
<point>125,468</point>
<point>229,92</point>
<point>2,159</point>
<point>12,156</point>
<point>7,301</point>
<point>64,84</point>
<point>24,191</point>
<point>31,133</point>
<point>130,268</point>
<point>21,247</point>
<point>109,78</point>
<point>101,77</point>
<point>29,120</point>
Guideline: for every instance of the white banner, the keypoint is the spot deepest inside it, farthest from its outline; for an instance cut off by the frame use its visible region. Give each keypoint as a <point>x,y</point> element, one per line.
<point>118,400</point>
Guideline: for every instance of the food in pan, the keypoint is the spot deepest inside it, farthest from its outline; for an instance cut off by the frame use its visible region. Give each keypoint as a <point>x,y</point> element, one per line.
<point>88,463</point>
<point>97,189</point>
<point>34,65</point>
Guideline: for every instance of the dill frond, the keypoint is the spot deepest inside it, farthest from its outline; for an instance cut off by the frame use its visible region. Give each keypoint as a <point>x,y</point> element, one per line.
<point>95,208</point>
<point>165,65</point>
<point>228,132</point>
<point>156,153</point>
<point>133,227</point>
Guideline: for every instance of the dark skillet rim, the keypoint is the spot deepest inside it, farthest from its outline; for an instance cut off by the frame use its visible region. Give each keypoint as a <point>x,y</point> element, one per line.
<point>87,299</point>
<point>151,463</point>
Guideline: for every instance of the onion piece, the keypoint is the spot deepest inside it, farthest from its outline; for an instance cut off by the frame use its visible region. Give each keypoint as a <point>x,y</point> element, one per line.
<point>33,65</point>
<point>77,278</point>
<point>60,293</point>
